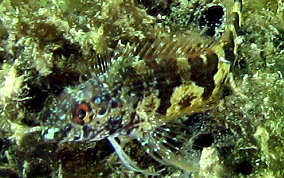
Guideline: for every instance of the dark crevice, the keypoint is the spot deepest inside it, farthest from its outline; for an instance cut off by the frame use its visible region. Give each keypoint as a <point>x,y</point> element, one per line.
<point>203,140</point>
<point>9,173</point>
<point>278,41</point>
<point>99,152</point>
<point>76,159</point>
<point>227,91</point>
<point>39,170</point>
<point>67,49</point>
<point>211,19</point>
<point>38,97</point>
<point>154,7</point>
<point>40,90</point>
<point>244,168</point>
<point>30,121</point>
<point>4,145</point>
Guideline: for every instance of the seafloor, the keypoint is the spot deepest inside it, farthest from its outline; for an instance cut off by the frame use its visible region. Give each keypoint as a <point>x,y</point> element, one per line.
<point>47,45</point>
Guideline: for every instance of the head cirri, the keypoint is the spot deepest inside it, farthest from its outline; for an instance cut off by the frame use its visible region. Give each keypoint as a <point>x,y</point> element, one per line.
<point>88,112</point>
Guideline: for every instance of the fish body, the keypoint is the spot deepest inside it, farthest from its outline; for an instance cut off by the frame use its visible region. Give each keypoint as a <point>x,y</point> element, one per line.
<point>145,86</point>
<point>163,80</point>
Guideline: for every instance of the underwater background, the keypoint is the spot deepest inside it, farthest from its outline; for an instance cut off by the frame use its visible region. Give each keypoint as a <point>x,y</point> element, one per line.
<point>48,45</point>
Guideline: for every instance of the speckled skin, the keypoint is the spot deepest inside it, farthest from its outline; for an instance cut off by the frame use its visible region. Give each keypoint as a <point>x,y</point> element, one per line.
<point>140,88</point>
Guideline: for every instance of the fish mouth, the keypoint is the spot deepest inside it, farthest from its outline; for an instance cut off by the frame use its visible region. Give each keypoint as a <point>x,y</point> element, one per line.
<point>71,133</point>
<point>56,134</point>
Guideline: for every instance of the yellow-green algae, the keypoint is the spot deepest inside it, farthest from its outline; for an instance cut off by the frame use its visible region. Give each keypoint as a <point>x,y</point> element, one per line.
<point>47,45</point>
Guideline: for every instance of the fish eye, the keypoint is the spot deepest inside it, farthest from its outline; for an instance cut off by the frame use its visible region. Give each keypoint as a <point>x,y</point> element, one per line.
<point>81,113</point>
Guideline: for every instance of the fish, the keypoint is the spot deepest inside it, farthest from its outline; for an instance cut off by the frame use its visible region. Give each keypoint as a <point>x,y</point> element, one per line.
<point>142,87</point>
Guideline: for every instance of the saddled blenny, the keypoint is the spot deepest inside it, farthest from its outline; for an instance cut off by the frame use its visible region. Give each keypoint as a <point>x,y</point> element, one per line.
<point>140,89</point>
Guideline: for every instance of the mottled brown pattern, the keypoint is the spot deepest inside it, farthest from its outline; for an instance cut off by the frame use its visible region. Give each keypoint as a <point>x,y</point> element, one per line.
<point>167,78</point>
<point>202,73</point>
<point>153,83</point>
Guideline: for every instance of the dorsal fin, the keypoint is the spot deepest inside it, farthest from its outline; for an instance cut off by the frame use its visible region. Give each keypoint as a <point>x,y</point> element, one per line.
<point>173,47</point>
<point>189,46</point>
<point>102,62</point>
<point>167,47</point>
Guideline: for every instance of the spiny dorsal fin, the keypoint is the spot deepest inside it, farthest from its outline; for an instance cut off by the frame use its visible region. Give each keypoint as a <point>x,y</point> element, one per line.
<point>173,47</point>
<point>102,62</point>
<point>164,48</point>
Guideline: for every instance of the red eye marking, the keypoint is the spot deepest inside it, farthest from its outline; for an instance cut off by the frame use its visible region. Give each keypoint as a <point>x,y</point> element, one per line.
<point>80,113</point>
<point>84,107</point>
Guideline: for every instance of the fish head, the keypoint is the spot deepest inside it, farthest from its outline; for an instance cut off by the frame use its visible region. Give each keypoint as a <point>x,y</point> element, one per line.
<point>88,112</point>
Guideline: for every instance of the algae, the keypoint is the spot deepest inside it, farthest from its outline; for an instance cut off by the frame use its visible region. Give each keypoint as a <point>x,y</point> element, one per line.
<point>48,45</point>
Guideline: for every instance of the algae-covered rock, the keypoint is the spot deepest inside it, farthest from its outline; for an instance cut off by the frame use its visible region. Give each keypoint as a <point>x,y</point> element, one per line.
<point>46,46</point>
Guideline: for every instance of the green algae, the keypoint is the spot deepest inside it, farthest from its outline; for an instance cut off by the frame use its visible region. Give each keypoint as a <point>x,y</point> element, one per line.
<point>47,45</point>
